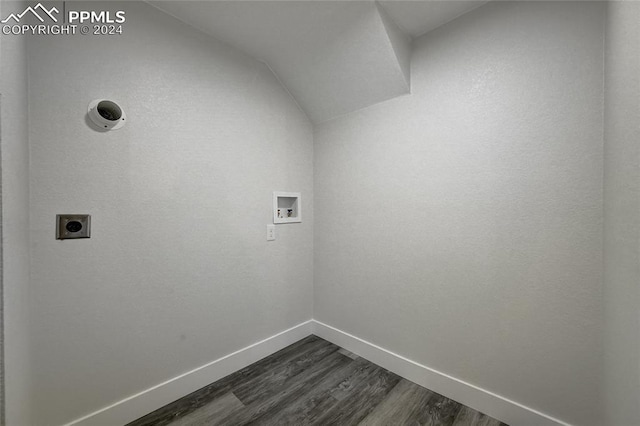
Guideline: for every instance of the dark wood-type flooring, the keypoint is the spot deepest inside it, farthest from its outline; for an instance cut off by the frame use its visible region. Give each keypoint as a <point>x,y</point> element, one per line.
<point>314,382</point>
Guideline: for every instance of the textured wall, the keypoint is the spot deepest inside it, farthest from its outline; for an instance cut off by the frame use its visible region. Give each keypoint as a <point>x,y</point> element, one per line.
<point>461,226</point>
<point>178,271</point>
<point>622,215</point>
<point>15,222</point>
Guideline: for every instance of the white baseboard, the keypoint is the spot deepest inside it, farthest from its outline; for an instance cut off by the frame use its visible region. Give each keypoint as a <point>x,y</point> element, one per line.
<point>140,404</point>
<point>487,402</point>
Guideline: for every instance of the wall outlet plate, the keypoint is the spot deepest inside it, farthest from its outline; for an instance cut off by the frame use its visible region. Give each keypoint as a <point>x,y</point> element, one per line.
<point>271,232</point>
<point>70,226</point>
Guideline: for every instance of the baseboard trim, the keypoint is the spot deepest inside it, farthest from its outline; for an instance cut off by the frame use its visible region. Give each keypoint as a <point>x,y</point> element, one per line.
<point>496,406</point>
<point>136,406</point>
<point>142,403</point>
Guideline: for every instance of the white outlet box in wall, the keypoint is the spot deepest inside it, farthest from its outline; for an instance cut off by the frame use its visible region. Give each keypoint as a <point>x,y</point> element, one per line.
<point>287,207</point>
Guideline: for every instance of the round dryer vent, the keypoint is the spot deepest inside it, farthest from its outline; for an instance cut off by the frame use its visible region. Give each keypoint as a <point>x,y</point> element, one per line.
<point>107,115</point>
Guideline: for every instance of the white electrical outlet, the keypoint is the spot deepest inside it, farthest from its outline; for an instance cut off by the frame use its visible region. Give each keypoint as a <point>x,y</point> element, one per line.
<point>271,232</point>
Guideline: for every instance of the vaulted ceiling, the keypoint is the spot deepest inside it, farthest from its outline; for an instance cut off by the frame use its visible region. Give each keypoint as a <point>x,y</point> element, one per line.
<point>334,57</point>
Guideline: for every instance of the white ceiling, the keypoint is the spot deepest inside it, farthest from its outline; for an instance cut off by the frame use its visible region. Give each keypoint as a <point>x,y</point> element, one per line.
<point>333,56</point>
<point>419,17</point>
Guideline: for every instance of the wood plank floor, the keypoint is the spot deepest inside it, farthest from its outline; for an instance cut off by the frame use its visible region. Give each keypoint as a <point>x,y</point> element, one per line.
<point>314,382</point>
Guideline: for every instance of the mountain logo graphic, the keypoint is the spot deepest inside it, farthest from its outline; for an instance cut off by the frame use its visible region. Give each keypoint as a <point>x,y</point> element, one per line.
<point>33,10</point>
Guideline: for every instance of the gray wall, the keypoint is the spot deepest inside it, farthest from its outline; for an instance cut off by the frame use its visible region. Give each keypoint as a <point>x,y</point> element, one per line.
<point>15,223</point>
<point>461,226</point>
<point>2,414</point>
<point>178,271</point>
<point>622,215</point>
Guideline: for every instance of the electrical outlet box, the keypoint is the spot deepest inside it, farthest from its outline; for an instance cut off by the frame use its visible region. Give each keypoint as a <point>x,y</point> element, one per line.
<point>271,232</point>
<point>70,226</point>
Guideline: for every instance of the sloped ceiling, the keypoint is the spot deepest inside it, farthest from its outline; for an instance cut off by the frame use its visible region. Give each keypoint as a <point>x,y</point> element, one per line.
<point>417,18</point>
<point>334,57</point>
